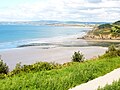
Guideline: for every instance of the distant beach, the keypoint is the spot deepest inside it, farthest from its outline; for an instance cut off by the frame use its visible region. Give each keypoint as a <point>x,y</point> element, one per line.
<point>58,49</point>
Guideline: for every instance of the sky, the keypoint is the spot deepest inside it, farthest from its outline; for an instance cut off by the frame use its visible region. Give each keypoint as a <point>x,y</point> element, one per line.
<point>61,10</point>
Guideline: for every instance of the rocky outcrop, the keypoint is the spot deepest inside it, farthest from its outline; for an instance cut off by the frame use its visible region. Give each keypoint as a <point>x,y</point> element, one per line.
<point>100,36</point>
<point>105,32</point>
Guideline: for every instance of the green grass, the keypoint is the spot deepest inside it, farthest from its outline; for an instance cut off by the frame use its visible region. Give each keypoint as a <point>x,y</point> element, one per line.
<point>39,66</point>
<point>60,79</point>
<point>112,30</point>
<point>114,86</point>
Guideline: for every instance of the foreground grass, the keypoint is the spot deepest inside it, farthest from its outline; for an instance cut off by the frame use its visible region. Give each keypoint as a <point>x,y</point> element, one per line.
<point>60,79</point>
<point>114,86</point>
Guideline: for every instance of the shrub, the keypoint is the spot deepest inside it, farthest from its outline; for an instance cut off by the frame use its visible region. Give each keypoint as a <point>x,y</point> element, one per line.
<point>78,57</point>
<point>18,69</point>
<point>39,66</point>
<point>111,48</point>
<point>112,52</point>
<point>3,67</point>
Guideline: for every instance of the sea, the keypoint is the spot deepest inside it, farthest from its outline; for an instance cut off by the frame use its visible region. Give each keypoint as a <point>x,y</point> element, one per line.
<point>12,36</point>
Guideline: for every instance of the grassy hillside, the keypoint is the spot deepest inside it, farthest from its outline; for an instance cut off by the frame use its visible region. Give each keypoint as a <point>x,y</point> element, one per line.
<point>50,76</point>
<point>60,79</point>
<point>105,31</point>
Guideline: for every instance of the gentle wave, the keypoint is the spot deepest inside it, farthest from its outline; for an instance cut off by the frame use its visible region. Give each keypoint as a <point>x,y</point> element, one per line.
<point>15,44</point>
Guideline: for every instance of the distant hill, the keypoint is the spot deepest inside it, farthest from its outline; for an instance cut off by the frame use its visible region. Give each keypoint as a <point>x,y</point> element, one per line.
<point>105,31</point>
<point>48,22</point>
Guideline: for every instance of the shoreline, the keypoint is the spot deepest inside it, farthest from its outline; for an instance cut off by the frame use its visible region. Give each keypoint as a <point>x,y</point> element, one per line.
<point>42,41</point>
<point>58,50</point>
<point>102,40</point>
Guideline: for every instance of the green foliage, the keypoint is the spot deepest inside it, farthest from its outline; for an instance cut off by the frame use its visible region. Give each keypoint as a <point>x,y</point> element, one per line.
<point>112,30</point>
<point>104,26</point>
<point>2,76</point>
<point>39,66</point>
<point>61,79</point>
<point>78,57</point>
<point>114,86</point>
<point>117,22</point>
<point>111,48</point>
<point>115,30</point>
<point>3,67</point>
<point>112,52</point>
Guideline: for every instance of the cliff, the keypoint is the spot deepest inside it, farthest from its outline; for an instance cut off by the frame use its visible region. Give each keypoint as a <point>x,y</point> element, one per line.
<point>105,31</point>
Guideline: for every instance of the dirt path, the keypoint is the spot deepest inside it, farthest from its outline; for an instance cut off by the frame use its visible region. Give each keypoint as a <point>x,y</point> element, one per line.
<point>100,81</point>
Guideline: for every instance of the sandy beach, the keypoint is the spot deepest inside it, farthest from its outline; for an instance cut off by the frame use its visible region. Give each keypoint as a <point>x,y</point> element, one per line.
<point>29,55</point>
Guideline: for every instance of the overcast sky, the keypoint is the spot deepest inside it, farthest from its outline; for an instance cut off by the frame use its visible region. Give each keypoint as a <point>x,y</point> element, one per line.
<point>67,10</point>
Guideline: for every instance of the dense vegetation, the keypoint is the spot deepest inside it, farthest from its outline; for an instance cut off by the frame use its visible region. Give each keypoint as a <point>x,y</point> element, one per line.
<point>106,31</point>
<point>103,26</point>
<point>39,66</point>
<point>114,86</point>
<point>50,76</point>
<point>117,23</point>
<point>61,79</point>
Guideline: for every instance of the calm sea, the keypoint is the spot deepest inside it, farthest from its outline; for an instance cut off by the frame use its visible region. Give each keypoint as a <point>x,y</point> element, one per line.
<point>12,36</point>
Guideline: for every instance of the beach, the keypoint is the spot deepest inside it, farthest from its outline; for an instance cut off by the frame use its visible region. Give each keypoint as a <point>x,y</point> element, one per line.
<point>54,49</point>
<point>30,55</point>
<point>59,44</point>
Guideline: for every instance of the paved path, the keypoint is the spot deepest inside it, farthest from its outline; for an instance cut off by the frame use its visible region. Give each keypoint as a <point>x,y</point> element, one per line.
<point>100,81</point>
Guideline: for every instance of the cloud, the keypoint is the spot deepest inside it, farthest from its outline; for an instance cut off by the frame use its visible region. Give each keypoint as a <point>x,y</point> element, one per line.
<point>94,1</point>
<point>79,10</point>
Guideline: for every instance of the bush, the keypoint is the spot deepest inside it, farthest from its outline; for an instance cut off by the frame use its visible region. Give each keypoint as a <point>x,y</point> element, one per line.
<point>111,48</point>
<point>3,67</point>
<point>78,57</point>
<point>39,66</point>
<point>112,52</point>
